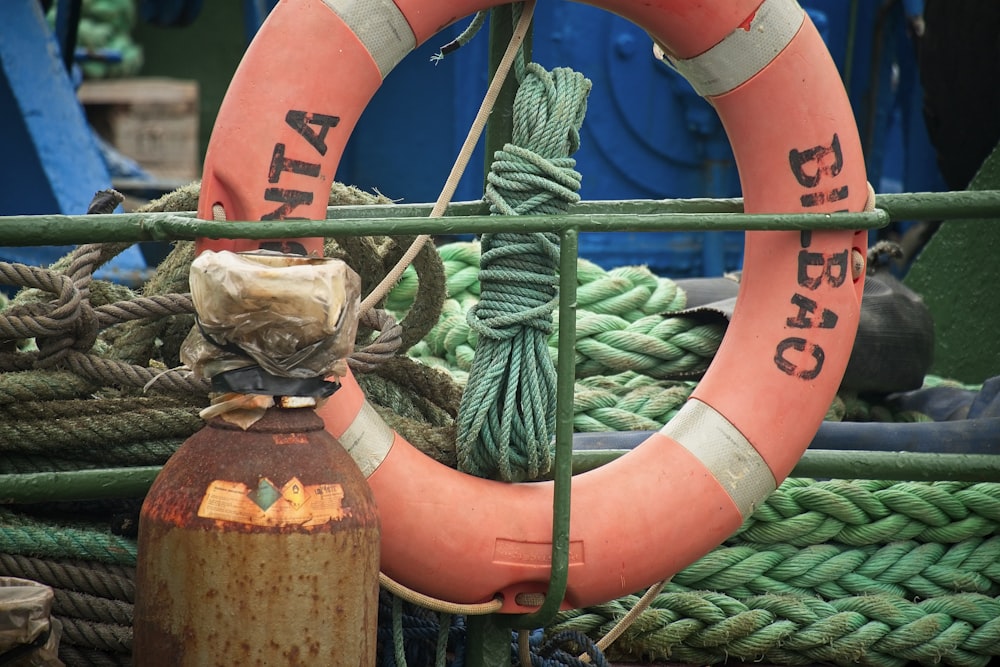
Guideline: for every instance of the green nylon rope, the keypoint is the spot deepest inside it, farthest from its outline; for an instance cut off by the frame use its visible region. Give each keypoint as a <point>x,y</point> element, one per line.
<point>626,402</point>
<point>927,598</point>
<point>861,512</point>
<point>906,569</point>
<point>629,292</point>
<point>703,628</point>
<point>621,324</point>
<point>507,415</point>
<point>24,535</point>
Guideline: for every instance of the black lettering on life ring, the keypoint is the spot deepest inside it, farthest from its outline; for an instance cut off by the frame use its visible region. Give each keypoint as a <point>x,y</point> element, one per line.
<point>280,163</point>
<point>806,306</point>
<point>820,197</point>
<point>290,199</point>
<point>833,271</point>
<point>820,155</point>
<point>790,368</point>
<point>300,121</point>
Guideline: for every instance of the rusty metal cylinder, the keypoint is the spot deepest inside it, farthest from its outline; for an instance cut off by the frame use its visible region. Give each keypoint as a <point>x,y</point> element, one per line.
<point>258,547</point>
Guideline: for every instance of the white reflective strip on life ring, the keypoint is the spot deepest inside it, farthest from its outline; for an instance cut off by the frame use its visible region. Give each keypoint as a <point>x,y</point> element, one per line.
<point>745,51</point>
<point>380,26</point>
<point>368,439</point>
<point>723,450</point>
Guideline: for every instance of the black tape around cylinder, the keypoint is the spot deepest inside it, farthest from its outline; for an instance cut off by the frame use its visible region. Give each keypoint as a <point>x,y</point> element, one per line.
<point>255,380</point>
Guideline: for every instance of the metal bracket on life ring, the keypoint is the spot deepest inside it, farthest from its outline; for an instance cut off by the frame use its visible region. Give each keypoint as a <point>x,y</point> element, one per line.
<point>279,136</point>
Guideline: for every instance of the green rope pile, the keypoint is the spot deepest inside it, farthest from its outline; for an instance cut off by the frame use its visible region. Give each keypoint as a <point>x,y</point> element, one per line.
<point>626,381</point>
<point>863,572</point>
<point>507,415</point>
<point>707,628</point>
<point>895,573</point>
<point>612,400</point>
<point>624,321</point>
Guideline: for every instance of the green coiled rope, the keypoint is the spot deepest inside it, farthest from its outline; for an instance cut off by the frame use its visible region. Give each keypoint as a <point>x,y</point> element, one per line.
<point>507,414</point>
<point>701,627</point>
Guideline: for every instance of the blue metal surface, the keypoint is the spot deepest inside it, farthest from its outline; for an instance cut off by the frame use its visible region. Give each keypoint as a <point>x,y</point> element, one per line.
<point>52,163</point>
<point>407,139</point>
<point>647,134</point>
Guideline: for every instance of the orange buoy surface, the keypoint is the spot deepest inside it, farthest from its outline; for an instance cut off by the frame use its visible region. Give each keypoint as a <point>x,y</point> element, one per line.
<point>280,133</point>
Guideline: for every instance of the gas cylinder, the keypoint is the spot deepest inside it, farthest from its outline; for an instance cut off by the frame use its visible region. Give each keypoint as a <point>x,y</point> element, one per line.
<point>258,547</point>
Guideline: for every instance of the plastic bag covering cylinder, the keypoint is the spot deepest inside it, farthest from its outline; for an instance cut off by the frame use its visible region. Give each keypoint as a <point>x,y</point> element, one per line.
<point>258,547</point>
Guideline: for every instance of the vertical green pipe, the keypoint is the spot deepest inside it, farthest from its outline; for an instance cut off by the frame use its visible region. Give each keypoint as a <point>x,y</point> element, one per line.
<point>487,634</point>
<point>499,130</point>
<point>563,474</point>
<point>488,640</point>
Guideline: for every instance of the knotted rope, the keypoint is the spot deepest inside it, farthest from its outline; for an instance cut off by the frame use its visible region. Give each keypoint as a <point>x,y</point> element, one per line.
<point>69,332</point>
<point>507,414</point>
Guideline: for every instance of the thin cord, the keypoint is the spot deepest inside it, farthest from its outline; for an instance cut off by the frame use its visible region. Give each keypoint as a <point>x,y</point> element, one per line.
<point>628,619</point>
<point>443,606</point>
<point>524,648</point>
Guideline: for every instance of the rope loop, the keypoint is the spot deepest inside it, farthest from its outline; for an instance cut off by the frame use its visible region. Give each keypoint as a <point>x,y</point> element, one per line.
<point>507,415</point>
<point>518,285</point>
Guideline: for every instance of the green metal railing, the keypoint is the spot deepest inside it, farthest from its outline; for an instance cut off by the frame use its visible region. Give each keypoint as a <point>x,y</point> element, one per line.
<point>489,637</point>
<point>472,218</point>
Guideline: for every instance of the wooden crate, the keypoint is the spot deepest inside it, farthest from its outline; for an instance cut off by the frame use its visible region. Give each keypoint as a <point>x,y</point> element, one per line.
<point>154,121</point>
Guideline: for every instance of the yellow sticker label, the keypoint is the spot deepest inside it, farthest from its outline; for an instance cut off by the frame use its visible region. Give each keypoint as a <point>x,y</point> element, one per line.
<point>267,504</point>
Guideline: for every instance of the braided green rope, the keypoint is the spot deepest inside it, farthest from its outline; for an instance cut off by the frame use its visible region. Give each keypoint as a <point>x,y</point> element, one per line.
<point>630,292</point>
<point>21,534</point>
<point>620,296</point>
<point>626,402</point>
<point>73,457</point>
<point>608,301</point>
<point>880,630</point>
<point>507,414</point>
<point>42,386</point>
<point>863,512</point>
<point>905,569</point>
<point>64,434</point>
<point>620,322</point>
<point>656,346</point>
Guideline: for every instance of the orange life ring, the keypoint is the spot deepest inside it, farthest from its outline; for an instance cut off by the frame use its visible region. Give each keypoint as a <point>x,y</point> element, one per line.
<point>276,144</point>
